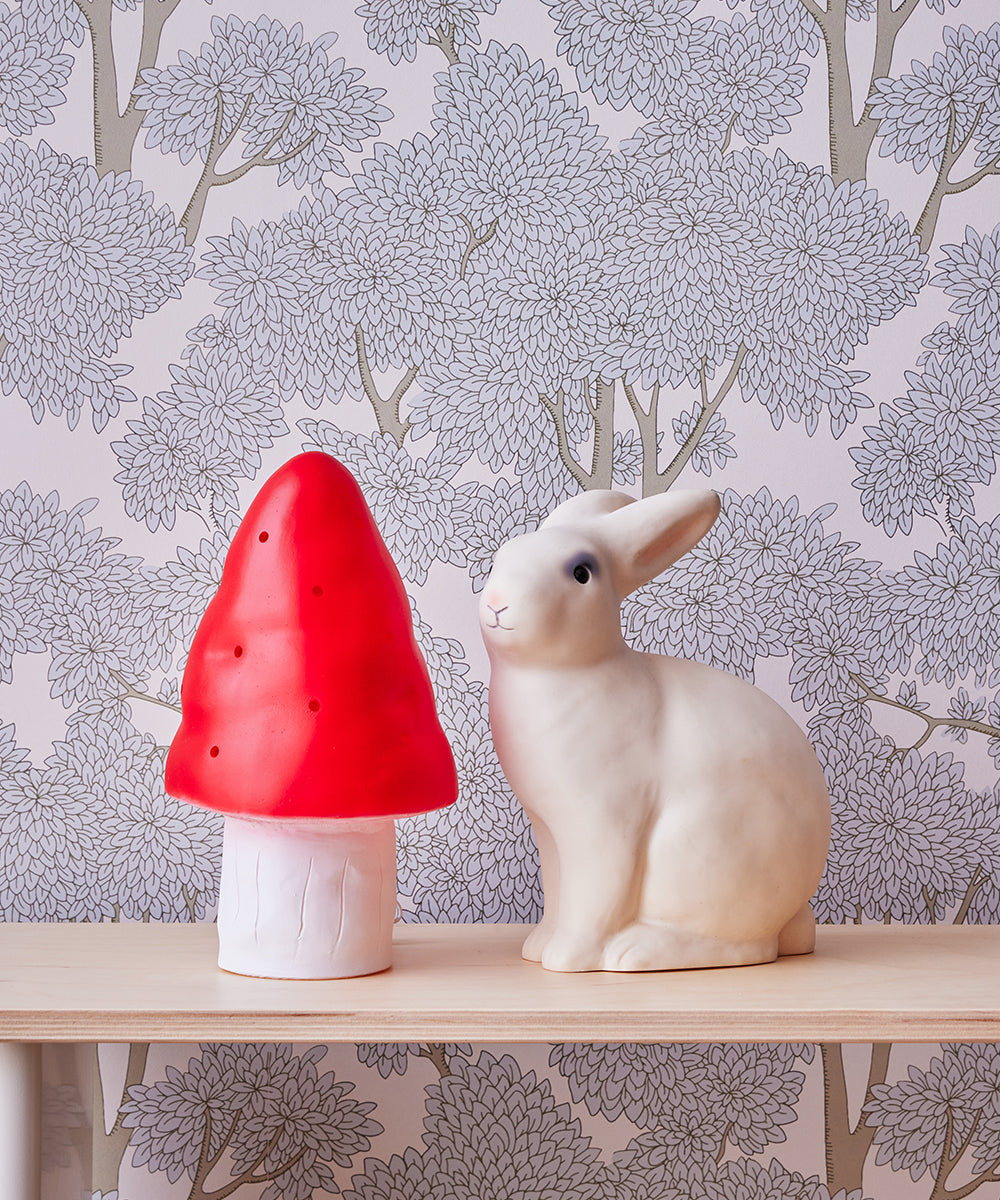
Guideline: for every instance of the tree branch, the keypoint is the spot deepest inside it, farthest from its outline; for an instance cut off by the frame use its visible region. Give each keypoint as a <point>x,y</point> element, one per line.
<point>210,178</point>
<point>221,144</point>
<point>683,456</point>
<point>877,1073</point>
<point>248,1175</point>
<point>988,1176</point>
<point>943,186</point>
<point>436,1053</point>
<point>647,421</point>
<point>557,411</point>
<point>191,220</point>
<point>588,399</point>
<point>97,14</point>
<point>939,1190</point>
<point>979,877</point>
<point>871,696</point>
<point>847,1145</point>
<point>130,693</point>
<point>155,14</point>
<point>211,1162</point>
<point>386,411</point>
<point>278,1170</point>
<point>966,1142</point>
<point>444,39</point>
<point>729,134</point>
<point>991,168</point>
<point>260,159</point>
<point>401,388</point>
<point>602,410</point>
<point>474,242</point>
<point>813,9</point>
<point>960,150</point>
<point>888,22</point>
<point>202,1167</point>
<point>109,1149</point>
<point>836,1124</point>
<point>189,903</point>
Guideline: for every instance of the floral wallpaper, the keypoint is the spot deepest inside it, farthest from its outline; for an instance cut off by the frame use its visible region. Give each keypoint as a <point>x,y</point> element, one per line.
<point>490,253</point>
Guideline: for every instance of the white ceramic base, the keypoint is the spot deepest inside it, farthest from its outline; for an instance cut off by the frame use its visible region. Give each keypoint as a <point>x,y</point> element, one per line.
<point>307,899</point>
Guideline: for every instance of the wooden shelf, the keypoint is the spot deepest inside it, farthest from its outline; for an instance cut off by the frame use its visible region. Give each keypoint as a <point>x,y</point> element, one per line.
<point>76,983</point>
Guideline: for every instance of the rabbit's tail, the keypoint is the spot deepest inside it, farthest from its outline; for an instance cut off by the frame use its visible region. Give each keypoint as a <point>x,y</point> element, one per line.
<point>799,935</point>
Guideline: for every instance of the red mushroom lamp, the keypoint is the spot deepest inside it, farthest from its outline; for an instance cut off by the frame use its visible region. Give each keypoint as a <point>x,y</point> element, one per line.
<point>308,719</point>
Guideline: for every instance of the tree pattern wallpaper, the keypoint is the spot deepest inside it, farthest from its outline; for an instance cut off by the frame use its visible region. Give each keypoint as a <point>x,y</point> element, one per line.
<point>489,253</point>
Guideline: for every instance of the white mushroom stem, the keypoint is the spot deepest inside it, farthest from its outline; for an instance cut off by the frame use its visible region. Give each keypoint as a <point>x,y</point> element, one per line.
<point>307,899</point>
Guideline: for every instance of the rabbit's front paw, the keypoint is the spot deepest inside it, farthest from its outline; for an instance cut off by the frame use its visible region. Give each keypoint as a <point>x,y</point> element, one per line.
<point>564,952</point>
<point>534,945</point>
<point>641,948</point>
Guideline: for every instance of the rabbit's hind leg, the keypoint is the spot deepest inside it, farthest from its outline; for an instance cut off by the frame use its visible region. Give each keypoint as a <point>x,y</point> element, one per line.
<point>662,947</point>
<point>799,935</point>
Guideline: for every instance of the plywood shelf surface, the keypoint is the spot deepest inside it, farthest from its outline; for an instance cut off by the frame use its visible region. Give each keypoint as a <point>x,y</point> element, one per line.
<point>468,983</point>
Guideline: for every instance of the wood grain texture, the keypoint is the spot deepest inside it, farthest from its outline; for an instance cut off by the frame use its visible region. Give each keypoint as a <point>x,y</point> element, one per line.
<point>467,982</point>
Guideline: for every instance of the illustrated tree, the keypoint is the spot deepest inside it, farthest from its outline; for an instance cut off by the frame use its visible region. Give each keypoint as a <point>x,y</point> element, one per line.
<point>689,76</point>
<point>262,1111</point>
<point>281,94</point>
<point>32,68</point>
<point>933,115</point>
<point>82,258</point>
<point>851,140</point>
<point>537,276</point>
<point>954,1104</point>
<point>53,23</point>
<point>85,253</point>
<point>90,834</point>
<point>397,29</point>
<point>281,97</point>
<point>704,1113</point>
<point>933,448</point>
<point>492,1130</point>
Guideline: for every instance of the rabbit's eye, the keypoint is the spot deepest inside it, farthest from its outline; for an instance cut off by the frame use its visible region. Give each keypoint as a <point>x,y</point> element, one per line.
<point>583,569</point>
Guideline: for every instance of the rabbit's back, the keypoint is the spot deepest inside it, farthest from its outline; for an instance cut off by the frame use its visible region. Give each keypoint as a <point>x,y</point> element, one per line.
<point>742,798</point>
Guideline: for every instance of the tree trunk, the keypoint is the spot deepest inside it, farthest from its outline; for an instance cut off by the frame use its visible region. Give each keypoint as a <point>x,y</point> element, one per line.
<point>109,1148</point>
<point>602,467</point>
<point>847,1147</point>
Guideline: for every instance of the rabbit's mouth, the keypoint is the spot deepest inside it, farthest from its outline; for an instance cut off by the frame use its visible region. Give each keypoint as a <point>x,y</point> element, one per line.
<point>496,623</point>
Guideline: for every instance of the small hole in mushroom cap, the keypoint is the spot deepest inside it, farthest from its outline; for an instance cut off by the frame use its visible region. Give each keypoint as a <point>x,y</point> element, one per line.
<point>262,536</point>
<point>214,752</point>
<point>237,651</point>
<point>314,706</point>
<point>317,590</point>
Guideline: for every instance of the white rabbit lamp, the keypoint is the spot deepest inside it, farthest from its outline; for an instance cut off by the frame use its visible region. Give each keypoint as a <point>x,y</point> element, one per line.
<point>681,815</point>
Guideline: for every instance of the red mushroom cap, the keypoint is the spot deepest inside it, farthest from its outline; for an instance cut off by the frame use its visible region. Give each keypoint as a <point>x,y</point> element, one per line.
<point>305,694</point>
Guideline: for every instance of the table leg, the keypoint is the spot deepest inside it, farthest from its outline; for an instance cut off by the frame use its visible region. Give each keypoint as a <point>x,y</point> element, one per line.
<point>20,1120</point>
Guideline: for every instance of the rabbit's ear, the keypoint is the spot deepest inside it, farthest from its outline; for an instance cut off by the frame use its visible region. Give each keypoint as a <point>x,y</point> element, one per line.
<point>586,505</point>
<point>646,537</point>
